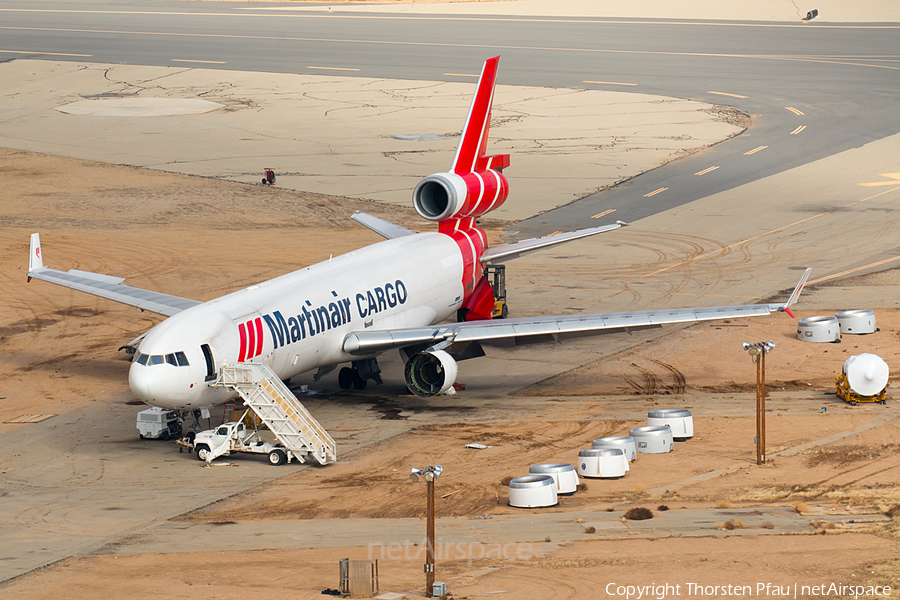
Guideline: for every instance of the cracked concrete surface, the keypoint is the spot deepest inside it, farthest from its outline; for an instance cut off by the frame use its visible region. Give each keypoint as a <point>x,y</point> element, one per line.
<point>371,139</point>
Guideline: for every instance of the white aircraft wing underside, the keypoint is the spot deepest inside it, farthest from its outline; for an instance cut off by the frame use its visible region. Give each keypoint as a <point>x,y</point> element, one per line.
<point>112,288</point>
<point>520,329</point>
<point>556,327</point>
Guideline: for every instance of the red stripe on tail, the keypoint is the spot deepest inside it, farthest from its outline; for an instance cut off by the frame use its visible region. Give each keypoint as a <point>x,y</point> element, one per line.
<point>474,139</point>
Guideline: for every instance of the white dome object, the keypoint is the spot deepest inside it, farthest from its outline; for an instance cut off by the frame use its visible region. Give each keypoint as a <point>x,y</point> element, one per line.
<point>653,439</point>
<point>532,491</point>
<point>679,419</point>
<point>856,322</point>
<point>602,462</point>
<point>625,442</point>
<point>819,329</point>
<point>562,473</point>
<point>867,374</point>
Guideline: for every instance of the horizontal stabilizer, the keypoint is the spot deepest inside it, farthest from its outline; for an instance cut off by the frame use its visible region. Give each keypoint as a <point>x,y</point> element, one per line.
<point>503,252</point>
<point>383,228</point>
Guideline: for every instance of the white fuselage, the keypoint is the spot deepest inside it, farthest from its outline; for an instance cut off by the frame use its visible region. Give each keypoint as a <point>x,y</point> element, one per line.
<point>297,322</point>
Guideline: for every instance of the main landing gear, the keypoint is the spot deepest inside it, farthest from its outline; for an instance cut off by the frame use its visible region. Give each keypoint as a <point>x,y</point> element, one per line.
<point>359,373</point>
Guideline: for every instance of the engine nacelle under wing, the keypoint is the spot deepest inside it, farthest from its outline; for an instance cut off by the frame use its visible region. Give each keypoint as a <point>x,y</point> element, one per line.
<point>458,195</point>
<point>430,373</point>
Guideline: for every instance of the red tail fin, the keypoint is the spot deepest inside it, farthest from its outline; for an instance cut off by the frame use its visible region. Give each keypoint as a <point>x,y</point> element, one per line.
<point>473,142</point>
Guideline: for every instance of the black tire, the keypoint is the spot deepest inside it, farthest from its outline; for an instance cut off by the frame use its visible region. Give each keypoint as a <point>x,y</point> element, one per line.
<point>202,451</point>
<point>345,378</point>
<point>358,382</point>
<point>277,457</point>
<point>504,312</point>
<point>164,435</point>
<point>142,436</point>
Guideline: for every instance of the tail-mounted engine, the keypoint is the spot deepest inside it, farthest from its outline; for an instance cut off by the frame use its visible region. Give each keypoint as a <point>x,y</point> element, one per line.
<point>430,373</point>
<point>458,195</point>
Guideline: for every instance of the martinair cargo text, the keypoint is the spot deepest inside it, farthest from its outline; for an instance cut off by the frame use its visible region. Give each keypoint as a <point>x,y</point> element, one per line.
<point>424,294</point>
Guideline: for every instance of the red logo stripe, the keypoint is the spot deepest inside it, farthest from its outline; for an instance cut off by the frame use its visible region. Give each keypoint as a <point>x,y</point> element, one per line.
<point>251,339</point>
<point>243,332</point>
<point>259,336</point>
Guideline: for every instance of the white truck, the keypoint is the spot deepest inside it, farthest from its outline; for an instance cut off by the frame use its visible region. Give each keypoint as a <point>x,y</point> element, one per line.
<point>234,437</point>
<point>159,423</point>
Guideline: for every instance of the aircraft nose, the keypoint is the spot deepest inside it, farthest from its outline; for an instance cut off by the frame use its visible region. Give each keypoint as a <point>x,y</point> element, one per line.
<point>139,380</point>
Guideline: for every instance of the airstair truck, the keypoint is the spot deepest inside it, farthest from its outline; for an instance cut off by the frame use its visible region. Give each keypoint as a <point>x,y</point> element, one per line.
<point>300,436</point>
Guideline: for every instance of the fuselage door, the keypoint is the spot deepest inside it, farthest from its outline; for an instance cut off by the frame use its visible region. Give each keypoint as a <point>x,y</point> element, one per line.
<point>210,362</point>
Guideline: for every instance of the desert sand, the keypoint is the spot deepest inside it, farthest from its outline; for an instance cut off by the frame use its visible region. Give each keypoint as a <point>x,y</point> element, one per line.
<point>830,479</point>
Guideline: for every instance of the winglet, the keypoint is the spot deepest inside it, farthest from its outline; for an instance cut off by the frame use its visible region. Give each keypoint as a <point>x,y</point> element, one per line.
<point>473,142</point>
<point>795,295</point>
<point>35,260</point>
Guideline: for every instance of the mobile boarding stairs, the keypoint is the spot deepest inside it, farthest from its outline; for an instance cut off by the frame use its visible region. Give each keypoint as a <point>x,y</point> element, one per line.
<point>273,402</point>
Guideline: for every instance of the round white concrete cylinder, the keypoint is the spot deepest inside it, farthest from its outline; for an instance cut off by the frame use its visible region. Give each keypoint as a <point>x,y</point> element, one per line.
<point>563,473</point>
<point>532,491</point>
<point>678,419</point>
<point>653,439</point>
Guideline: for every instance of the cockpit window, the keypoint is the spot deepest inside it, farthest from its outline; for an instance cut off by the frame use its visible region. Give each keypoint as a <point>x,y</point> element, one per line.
<point>176,359</point>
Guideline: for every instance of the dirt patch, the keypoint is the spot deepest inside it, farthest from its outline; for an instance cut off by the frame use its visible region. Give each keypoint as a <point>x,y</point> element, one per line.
<point>842,456</point>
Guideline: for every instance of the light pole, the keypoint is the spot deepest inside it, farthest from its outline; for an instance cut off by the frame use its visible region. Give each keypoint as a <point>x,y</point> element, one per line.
<point>430,474</point>
<point>758,353</point>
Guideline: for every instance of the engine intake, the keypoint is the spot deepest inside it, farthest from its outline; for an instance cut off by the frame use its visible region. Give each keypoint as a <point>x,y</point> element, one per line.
<point>455,196</point>
<point>430,373</point>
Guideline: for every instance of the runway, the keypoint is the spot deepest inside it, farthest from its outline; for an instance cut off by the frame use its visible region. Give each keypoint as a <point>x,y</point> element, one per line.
<point>812,90</point>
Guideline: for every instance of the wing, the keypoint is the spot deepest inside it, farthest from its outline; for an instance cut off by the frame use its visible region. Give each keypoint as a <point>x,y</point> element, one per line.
<point>523,329</point>
<point>380,226</point>
<point>105,286</point>
<point>504,252</point>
